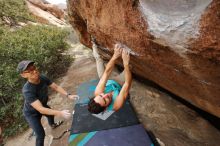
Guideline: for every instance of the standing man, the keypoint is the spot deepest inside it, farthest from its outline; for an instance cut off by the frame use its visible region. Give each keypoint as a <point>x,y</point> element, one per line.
<point>35,92</point>
<point>109,94</point>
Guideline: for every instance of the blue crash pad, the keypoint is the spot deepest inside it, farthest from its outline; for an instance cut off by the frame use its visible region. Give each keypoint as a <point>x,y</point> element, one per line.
<point>121,128</point>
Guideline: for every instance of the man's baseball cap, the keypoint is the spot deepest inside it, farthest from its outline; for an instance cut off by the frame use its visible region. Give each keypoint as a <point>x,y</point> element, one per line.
<point>22,66</point>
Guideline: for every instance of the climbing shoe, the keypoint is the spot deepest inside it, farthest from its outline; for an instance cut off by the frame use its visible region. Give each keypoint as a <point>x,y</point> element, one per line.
<point>57,124</point>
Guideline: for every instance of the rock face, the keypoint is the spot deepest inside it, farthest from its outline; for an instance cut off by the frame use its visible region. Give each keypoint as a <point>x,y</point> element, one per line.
<point>46,13</point>
<point>175,43</point>
<point>53,9</point>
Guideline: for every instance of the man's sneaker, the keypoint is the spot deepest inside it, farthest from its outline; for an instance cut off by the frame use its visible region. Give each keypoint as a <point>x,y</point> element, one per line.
<point>57,124</point>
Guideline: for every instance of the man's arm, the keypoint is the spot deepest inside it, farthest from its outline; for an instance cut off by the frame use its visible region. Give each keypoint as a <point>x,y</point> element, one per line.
<point>47,111</point>
<point>57,88</point>
<point>108,70</point>
<point>60,90</point>
<point>120,99</point>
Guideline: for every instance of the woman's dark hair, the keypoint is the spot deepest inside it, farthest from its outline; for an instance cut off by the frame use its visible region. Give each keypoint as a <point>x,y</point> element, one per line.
<point>94,107</point>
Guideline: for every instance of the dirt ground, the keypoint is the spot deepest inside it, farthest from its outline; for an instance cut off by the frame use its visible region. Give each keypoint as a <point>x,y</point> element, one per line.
<point>170,121</point>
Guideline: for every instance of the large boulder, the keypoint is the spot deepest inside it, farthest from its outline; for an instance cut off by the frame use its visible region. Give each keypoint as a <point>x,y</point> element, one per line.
<point>53,9</point>
<point>46,13</point>
<point>175,43</point>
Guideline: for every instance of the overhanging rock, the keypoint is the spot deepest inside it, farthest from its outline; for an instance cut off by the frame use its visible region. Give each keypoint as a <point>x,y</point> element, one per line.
<point>175,43</point>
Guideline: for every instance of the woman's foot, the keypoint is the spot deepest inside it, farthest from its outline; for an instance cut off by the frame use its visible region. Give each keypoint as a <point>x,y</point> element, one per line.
<point>57,124</point>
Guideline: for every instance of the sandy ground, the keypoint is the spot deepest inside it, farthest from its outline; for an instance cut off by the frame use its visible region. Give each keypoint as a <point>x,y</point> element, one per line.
<point>171,121</point>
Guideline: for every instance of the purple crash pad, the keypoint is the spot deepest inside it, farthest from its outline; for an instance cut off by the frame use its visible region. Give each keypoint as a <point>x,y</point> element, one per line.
<point>126,136</point>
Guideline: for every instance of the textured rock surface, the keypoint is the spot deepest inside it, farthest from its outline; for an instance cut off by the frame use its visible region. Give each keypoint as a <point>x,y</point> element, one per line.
<point>171,121</point>
<point>175,43</point>
<point>53,9</point>
<point>46,13</point>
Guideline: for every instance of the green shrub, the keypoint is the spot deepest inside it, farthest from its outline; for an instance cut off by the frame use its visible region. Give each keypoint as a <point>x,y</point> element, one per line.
<point>42,44</point>
<point>15,10</point>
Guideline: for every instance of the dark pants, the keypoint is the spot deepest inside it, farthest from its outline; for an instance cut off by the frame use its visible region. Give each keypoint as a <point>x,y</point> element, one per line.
<point>34,121</point>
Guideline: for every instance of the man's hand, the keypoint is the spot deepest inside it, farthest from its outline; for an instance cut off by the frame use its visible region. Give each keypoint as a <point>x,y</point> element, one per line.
<point>65,114</point>
<point>117,51</point>
<point>73,97</point>
<point>125,57</point>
